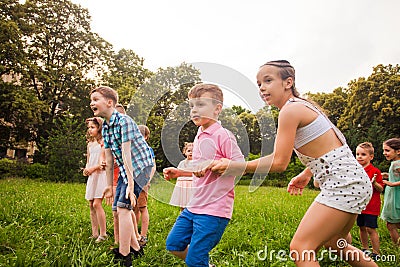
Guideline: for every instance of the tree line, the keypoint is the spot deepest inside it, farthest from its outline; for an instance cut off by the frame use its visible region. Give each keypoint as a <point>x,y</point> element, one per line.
<point>51,59</point>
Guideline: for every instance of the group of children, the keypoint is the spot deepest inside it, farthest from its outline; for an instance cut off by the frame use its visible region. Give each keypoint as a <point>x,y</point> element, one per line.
<point>350,186</point>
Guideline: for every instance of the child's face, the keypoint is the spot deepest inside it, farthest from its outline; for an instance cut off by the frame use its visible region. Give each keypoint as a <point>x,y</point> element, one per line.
<point>204,110</point>
<point>99,104</point>
<point>363,156</point>
<point>93,130</point>
<point>189,152</point>
<point>272,87</point>
<point>390,153</point>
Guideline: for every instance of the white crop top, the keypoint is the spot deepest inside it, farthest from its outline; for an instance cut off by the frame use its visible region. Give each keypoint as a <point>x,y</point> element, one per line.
<point>311,131</point>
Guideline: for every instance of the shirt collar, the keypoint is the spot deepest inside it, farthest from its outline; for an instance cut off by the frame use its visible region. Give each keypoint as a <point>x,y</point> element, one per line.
<point>113,118</point>
<point>210,130</point>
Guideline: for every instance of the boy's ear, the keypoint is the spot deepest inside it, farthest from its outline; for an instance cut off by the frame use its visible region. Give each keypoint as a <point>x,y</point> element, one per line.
<point>218,108</point>
<point>110,103</point>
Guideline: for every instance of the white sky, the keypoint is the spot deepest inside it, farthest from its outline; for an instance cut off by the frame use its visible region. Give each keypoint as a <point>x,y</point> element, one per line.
<point>329,42</point>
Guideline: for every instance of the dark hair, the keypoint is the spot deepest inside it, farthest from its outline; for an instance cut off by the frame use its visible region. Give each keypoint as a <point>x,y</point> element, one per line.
<point>107,92</point>
<point>99,123</point>
<point>285,71</point>
<point>393,143</point>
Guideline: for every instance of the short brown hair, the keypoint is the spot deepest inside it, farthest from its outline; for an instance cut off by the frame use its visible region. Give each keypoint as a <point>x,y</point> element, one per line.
<point>144,130</point>
<point>199,89</point>
<point>367,146</point>
<point>107,92</point>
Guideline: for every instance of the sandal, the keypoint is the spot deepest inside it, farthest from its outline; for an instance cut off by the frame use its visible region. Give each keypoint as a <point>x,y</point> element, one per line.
<point>142,241</point>
<point>101,238</point>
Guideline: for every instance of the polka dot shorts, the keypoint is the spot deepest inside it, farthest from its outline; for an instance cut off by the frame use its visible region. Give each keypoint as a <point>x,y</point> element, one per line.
<point>343,182</point>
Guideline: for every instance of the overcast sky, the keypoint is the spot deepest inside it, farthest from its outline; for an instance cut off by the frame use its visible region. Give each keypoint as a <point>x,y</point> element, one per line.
<point>328,42</point>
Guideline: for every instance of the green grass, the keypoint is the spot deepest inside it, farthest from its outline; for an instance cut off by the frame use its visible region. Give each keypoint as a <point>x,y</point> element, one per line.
<point>48,224</point>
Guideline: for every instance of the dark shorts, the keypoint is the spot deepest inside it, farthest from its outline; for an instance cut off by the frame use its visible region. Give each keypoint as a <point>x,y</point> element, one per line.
<point>367,220</point>
<point>140,181</point>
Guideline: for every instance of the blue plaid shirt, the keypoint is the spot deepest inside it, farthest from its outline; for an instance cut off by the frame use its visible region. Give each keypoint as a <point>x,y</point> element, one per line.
<point>122,129</point>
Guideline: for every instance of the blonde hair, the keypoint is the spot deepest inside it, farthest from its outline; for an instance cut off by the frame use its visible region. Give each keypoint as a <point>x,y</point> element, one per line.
<point>107,92</point>
<point>367,146</point>
<point>186,146</point>
<point>99,123</point>
<point>199,89</point>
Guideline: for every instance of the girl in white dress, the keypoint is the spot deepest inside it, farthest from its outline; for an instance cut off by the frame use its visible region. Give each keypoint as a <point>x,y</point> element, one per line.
<point>97,180</point>
<point>183,191</point>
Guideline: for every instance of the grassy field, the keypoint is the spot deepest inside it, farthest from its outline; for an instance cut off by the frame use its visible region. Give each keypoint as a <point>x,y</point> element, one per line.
<point>48,224</point>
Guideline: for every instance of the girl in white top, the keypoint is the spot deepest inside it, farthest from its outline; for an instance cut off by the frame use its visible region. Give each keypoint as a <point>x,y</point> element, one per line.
<point>183,191</point>
<point>345,187</point>
<point>97,180</point>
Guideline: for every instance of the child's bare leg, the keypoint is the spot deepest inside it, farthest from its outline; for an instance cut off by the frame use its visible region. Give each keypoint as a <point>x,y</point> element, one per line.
<point>116,227</point>
<point>125,230</point>
<point>394,234</point>
<point>373,235</point>
<point>306,241</point>
<point>101,215</point>
<point>364,237</point>
<point>180,254</point>
<point>135,225</point>
<point>93,220</point>
<point>145,221</point>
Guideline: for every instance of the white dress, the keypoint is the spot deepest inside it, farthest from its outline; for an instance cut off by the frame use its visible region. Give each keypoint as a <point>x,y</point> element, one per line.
<point>183,191</point>
<point>97,181</point>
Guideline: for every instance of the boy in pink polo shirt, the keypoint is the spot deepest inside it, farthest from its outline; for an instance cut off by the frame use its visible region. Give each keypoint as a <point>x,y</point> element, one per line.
<point>203,222</point>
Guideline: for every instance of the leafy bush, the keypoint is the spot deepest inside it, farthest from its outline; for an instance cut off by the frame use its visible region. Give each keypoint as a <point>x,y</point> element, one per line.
<point>7,167</point>
<point>37,170</point>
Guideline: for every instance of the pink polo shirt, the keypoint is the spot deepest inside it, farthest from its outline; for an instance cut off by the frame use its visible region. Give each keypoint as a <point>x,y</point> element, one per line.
<point>213,194</point>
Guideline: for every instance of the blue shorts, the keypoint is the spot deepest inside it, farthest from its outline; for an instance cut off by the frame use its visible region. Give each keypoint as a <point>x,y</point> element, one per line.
<point>367,220</point>
<point>139,182</point>
<point>201,231</point>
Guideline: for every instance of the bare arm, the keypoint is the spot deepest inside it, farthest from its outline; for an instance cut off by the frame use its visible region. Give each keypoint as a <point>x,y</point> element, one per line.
<point>127,159</point>
<point>275,162</point>
<point>108,192</point>
<point>85,172</point>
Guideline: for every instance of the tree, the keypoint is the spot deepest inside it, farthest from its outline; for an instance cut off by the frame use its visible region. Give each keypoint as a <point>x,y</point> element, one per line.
<point>61,52</point>
<point>373,103</point>
<point>161,104</point>
<point>126,74</point>
<point>333,104</point>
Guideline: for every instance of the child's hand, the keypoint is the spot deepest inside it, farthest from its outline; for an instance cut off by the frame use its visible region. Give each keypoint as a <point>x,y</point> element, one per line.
<point>218,166</point>
<point>385,175</point>
<point>108,195</point>
<point>373,178</point>
<point>170,173</point>
<point>297,184</point>
<point>130,195</point>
